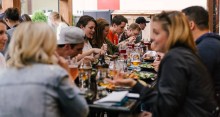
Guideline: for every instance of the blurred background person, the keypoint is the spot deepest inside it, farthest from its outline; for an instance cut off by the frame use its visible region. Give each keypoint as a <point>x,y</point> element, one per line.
<point>12,19</point>
<point>2,14</point>
<point>3,41</point>
<point>117,28</point>
<point>141,21</point>
<point>57,22</point>
<point>100,37</point>
<point>25,18</point>
<point>33,75</point>
<point>208,43</point>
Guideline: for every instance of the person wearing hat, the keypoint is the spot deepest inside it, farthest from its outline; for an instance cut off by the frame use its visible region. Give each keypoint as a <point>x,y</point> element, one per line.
<point>71,43</point>
<point>142,23</point>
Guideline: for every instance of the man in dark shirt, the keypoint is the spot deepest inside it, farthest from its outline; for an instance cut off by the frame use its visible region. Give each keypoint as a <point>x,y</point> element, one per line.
<point>11,18</point>
<point>141,21</point>
<point>208,43</point>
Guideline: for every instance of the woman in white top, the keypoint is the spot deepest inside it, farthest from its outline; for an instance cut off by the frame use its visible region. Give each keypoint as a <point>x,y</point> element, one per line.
<point>57,21</point>
<point>3,41</point>
<point>88,25</point>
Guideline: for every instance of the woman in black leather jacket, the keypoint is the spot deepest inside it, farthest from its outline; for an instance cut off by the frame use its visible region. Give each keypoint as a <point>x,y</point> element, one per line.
<point>184,87</point>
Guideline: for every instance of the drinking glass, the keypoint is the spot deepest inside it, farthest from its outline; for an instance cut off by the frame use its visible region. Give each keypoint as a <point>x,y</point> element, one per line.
<point>73,68</point>
<point>135,60</point>
<point>85,73</point>
<point>112,69</point>
<point>123,52</point>
<point>105,48</point>
<point>101,75</point>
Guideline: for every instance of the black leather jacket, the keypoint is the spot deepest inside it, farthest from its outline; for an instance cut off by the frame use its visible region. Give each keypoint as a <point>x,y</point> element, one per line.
<point>184,87</point>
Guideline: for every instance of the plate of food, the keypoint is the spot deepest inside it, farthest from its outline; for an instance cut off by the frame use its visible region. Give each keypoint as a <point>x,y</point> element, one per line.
<point>142,75</point>
<point>149,56</point>
<point>149,59</point>
<point>146,66</point>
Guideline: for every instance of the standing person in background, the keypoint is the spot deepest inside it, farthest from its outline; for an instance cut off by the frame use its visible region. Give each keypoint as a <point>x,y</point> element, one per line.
<point>57,21</point>
<point>208,43</point>
<point>117,28</point>
<point>12,19</point>
<point>25,18</point>
<point>100,37</point>
<point>3,41</point>
<point>142,23</point>
<point>33,75</point>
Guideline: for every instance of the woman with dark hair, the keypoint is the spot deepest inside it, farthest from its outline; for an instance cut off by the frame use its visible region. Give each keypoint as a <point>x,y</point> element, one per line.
<point>100,37</point>
<point>88,25</point>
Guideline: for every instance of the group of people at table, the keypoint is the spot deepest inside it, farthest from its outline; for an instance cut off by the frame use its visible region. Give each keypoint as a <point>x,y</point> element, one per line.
<point>35,82</point>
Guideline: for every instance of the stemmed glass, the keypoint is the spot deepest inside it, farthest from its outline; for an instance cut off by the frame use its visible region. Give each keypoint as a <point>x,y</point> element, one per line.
<point>85,83</point>
<point>85,73</point>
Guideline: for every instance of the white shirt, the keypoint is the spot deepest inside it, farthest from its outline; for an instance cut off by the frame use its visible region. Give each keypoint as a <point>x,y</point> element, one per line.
<point>87,46</point>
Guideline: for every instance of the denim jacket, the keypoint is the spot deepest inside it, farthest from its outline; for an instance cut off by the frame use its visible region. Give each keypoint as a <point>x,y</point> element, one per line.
<point>39,90</point>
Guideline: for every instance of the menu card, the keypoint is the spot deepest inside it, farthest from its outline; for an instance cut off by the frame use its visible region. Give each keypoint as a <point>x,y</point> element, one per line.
<point>115,98</point>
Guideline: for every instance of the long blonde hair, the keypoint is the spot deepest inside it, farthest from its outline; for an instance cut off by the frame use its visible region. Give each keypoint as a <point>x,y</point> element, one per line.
<point>32,43</point>
<point>177,27</point>
<point>57,17</point>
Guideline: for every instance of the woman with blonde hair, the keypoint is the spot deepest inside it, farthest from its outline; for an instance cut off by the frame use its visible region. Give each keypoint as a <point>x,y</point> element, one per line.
<point>184,87</point>
<point>57,22</point>
<point>33,75</point>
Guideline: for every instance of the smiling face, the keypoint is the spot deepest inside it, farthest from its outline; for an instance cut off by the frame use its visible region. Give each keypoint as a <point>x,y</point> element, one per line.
<point>89,29</point>
<point>158,36</point>
<point>3,36</point>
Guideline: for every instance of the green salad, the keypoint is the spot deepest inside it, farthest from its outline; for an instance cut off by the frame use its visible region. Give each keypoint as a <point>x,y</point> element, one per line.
<point>145,75</point>
<point>147,65</point>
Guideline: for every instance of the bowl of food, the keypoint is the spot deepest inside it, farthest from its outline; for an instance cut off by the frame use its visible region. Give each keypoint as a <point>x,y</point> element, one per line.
<point>149,56</point>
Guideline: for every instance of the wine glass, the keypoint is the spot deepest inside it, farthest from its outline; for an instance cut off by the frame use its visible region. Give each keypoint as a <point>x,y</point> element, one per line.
<point>85,73</point>
<point>85,83</point>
